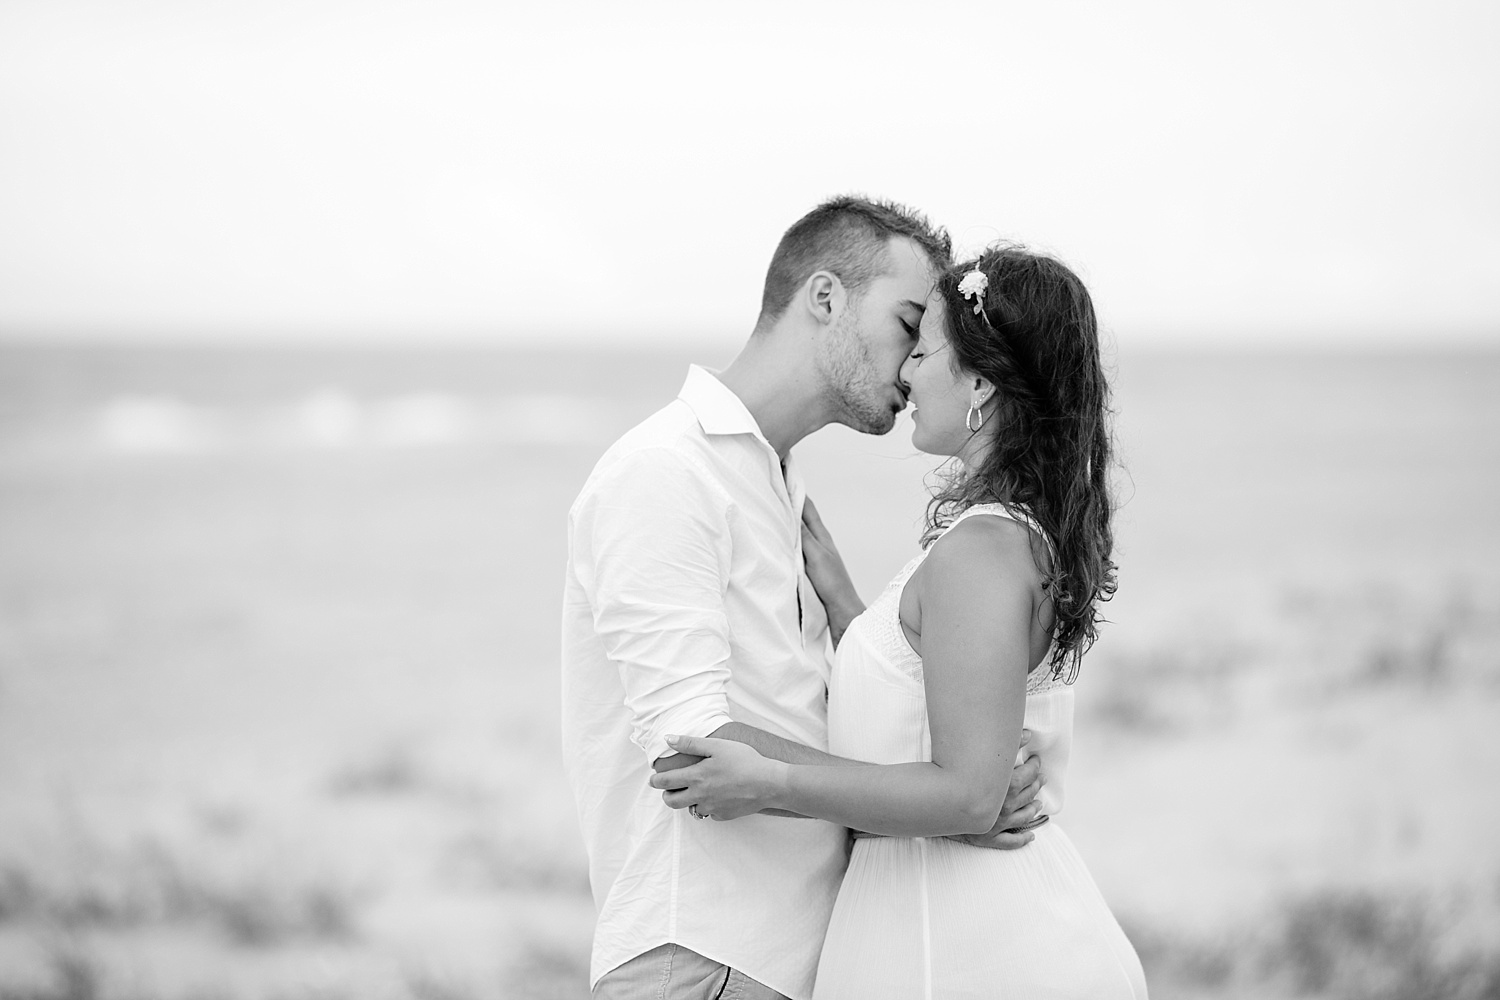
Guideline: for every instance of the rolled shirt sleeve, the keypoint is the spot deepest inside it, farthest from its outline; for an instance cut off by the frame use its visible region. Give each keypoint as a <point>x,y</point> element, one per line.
<point>651,547</point>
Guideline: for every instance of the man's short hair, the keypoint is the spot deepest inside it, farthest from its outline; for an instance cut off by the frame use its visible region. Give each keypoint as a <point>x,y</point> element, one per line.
<point>847,236</point>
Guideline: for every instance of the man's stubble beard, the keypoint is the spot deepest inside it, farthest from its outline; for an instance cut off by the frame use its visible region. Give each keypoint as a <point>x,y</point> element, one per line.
<point>851,381</point>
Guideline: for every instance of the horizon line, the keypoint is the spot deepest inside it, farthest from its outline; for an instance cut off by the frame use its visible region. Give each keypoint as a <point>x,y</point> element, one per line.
<point>1288,342</point>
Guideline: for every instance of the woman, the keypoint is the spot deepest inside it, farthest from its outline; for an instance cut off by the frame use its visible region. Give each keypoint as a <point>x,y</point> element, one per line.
<point>981,633</point>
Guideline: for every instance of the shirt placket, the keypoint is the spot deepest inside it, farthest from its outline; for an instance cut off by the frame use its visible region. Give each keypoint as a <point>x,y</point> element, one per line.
<point>796,495</point>
<point>790,491</point>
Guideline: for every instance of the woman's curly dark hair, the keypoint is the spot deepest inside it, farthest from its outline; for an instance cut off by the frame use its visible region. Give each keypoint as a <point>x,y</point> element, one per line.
<point>1038,343</point>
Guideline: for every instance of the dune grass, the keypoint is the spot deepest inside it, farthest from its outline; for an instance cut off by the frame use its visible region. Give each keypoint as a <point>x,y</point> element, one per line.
<point>150,885</point>
<point>1340,944</point>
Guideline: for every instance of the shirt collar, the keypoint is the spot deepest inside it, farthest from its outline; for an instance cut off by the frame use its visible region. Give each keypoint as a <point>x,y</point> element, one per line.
<point>718,409</point>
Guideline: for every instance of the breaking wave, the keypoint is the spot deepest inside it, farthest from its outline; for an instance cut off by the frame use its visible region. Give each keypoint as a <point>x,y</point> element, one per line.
<point>334,418</point>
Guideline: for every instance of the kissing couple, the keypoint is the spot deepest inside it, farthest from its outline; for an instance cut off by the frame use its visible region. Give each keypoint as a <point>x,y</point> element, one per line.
<point>876,827</point>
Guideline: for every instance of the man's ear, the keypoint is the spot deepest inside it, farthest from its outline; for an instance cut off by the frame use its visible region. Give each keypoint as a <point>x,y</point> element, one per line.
<point>823,296</point>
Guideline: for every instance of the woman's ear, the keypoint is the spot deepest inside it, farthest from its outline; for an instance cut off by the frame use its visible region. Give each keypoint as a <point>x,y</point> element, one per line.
<point>982,391</point>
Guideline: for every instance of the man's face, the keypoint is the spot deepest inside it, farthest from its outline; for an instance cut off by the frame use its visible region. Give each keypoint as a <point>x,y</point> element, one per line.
<point>860,357</point>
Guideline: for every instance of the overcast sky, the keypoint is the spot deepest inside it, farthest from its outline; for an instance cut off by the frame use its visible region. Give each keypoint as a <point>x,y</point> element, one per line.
<point>1299,171</point>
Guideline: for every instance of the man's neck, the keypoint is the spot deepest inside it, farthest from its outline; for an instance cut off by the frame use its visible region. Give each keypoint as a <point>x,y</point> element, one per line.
<point>781,390</point>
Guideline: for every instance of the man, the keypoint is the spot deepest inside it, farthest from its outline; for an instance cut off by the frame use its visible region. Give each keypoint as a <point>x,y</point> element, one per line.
<point>687,612</point>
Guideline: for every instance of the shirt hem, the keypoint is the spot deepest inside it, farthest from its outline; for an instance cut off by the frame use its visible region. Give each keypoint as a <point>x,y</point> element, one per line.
<point>785,989</point>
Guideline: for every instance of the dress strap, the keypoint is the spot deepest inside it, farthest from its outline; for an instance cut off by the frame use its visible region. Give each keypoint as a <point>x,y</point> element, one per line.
<point>998,509</point>
<point>1015,513</point>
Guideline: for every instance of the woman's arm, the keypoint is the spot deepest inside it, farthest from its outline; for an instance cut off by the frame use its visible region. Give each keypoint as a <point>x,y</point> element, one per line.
<point>1011,830</point>
<point>976,593</point>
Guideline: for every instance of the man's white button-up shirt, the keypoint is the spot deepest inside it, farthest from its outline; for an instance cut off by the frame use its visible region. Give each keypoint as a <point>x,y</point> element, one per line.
<point>686,607</point>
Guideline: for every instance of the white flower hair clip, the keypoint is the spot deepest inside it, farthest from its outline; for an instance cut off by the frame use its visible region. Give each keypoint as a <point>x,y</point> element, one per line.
<point>975,284</point>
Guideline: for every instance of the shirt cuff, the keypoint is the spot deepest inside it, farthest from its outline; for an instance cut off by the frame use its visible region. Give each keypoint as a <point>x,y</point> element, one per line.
<point>683,723</point>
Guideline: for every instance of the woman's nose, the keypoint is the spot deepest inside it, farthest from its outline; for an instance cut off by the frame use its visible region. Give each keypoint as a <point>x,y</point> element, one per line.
<point>903,376</point>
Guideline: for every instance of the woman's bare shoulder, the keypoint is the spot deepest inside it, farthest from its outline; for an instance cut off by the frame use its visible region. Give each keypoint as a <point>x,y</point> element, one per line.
<point>983,546</point>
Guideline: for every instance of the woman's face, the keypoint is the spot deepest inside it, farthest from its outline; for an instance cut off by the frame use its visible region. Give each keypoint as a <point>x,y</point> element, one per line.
<point>939,398</point>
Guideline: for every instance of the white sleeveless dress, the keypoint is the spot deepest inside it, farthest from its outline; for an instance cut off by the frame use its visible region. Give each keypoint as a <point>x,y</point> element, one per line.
<point>932,919</point>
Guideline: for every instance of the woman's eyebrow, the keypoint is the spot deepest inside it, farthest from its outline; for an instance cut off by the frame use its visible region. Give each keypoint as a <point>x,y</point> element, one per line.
<point>920,307</point>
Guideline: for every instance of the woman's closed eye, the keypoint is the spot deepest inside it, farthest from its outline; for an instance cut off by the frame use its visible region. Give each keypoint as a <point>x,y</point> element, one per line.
<point>922,352</point>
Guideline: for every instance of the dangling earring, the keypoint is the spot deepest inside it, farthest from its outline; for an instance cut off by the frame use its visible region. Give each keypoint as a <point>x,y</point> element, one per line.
<point>974,419</point>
